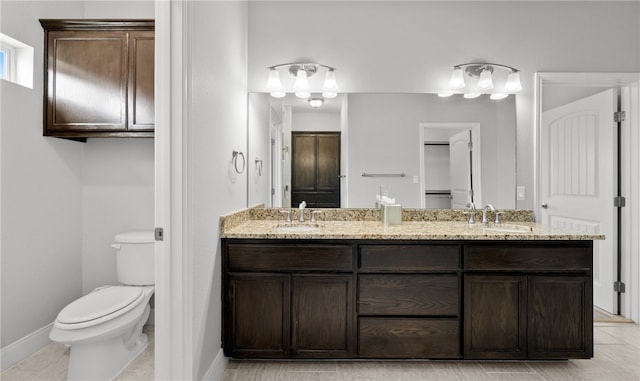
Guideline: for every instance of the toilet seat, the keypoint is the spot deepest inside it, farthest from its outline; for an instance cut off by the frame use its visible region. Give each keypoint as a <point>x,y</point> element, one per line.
<point>99,306</point>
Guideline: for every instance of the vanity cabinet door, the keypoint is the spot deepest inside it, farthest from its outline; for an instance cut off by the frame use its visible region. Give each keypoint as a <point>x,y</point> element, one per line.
<point>560,301</point>
<point>495,313</point>
<point>322,316</point>
<point>256,318</point>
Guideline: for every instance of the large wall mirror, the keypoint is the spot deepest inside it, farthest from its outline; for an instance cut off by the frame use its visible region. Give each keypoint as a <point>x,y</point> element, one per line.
<point>419,149</point>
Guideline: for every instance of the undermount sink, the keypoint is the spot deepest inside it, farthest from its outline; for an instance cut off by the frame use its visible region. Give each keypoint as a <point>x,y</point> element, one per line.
<point>297,228</point>
<point>509,228</point>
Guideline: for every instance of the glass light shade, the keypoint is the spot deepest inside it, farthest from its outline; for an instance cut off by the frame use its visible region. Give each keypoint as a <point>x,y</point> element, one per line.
<point>302,94</point>
<point>472,95</point>
<point>273,83</point>
<point>302,82</point>
<point>513,83</point>
<point>329,94</point>
<point>316,102</point>
<point>457,78</point>
<point>497,96</point>
<point>330,83</point>
<point>444,94</point>
<point>485,82</point>
<point>278,94</point>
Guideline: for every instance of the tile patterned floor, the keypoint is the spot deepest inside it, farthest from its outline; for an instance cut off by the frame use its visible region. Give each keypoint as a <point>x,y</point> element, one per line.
<point>617,357</point>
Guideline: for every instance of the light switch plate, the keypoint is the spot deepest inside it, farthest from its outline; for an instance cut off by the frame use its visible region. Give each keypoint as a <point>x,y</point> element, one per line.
<point>520,193</point>
<point>416,179</point>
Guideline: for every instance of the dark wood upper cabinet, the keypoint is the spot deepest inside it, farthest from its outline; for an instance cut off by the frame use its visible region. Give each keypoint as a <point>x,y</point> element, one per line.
<point>98,78</point>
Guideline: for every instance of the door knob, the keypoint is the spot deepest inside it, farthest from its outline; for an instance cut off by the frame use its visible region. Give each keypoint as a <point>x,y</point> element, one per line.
<point>544,205</point>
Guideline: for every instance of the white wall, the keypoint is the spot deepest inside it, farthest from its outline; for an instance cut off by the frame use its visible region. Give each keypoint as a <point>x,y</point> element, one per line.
<point>392,46</point>
<point>315,121</point>
<point>218,125</point>
<point>117,196</point>
<point>259,189</point>
<point>41,188</point>
<point>384,138</point>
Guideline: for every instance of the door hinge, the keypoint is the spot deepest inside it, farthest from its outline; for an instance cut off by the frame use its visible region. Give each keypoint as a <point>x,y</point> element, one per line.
<point>273,191</point>
<point>159,234</point>
<point>470,145</point>
<point>619,116</point>
<point>618,287</point>
<point>619,202</point>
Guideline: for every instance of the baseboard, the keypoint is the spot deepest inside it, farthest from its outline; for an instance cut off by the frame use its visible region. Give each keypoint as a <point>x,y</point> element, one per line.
<point>215,371</point>
<point>24,347</point>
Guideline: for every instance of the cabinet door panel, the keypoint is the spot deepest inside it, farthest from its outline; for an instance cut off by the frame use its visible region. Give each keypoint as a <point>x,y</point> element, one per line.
<point>141,81</point>
<point>87,81</point>
<point>257,317</point>
<point>322,316</point>
<point>495,316</point>
<point>560,301</point>
<point>408,338</point>
<point>435,295</point>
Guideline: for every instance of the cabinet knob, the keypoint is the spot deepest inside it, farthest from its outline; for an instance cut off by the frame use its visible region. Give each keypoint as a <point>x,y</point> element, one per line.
<point>544,205</point>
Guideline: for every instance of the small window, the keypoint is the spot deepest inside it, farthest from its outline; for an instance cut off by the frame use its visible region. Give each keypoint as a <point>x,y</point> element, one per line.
<point>6,67</point>
<point>16,61</point>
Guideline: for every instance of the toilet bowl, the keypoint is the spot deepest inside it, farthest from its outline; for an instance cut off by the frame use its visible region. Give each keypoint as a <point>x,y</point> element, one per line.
<point>104,328</point>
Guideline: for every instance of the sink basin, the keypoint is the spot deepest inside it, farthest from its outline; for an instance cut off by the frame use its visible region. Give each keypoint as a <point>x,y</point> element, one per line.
<point>509,228</point>
<point>297,228</point>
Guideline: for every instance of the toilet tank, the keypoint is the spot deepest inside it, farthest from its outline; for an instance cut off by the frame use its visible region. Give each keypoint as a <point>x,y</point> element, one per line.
<point>135,258</point>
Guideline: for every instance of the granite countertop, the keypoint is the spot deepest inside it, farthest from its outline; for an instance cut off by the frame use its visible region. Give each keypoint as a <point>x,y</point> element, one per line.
<point>266,223</point>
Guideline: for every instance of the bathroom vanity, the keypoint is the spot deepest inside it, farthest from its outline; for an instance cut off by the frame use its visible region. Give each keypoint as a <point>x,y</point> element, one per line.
<point>424,289</point>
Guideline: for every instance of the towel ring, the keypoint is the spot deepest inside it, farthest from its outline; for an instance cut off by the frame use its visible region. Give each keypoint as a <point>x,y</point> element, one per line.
<point>235,161</point>
<point>259,166</point>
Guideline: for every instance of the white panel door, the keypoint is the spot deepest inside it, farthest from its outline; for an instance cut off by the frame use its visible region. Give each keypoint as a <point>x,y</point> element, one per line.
<point>578,180</point>
<point>460,169</point>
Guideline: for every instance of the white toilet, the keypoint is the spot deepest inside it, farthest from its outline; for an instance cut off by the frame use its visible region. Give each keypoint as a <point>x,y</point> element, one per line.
<point>104,327</point>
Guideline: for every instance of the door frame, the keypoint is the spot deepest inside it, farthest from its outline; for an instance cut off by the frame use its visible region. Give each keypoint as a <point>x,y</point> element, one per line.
<point>476,166</point>
<point>629,305</point>
<point>174,346</point>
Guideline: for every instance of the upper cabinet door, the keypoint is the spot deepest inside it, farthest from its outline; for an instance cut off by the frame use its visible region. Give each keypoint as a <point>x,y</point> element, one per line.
<point>99,78</point>
<point>141,81</point>
<point>87,81</point>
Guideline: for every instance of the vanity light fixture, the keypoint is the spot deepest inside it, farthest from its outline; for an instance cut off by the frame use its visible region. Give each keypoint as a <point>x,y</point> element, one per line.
<point>316,102</point>
<point>463,77</point>
<point>302,72</point>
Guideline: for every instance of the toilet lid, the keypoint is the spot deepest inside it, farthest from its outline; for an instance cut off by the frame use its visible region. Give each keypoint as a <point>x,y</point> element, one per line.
<point>99,304</point>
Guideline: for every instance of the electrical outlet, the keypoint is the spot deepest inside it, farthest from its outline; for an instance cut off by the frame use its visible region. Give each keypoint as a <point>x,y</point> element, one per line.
<point>520,193</point>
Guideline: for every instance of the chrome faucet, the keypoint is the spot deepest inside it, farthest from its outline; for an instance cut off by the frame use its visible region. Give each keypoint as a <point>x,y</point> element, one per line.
<point>484,212</point>
<point>471,212</point>
<point>288,215</point>
<point>302,205</point>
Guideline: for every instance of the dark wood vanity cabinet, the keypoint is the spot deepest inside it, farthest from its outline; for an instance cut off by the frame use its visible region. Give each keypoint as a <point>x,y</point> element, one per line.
<point>288,300</point>
<point>388,299</point>
<point>530,301</point>
<point>98,78</point>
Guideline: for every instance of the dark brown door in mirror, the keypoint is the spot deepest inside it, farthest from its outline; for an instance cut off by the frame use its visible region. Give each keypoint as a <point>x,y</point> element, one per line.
<point>315,169</point>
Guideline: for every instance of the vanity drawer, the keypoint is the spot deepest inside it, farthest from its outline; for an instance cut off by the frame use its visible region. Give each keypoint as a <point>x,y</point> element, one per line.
<point>413,295</point>
<point>408,338</point>
<point>394,258</point>
<point>295,257</point>
<point>576,257</point>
